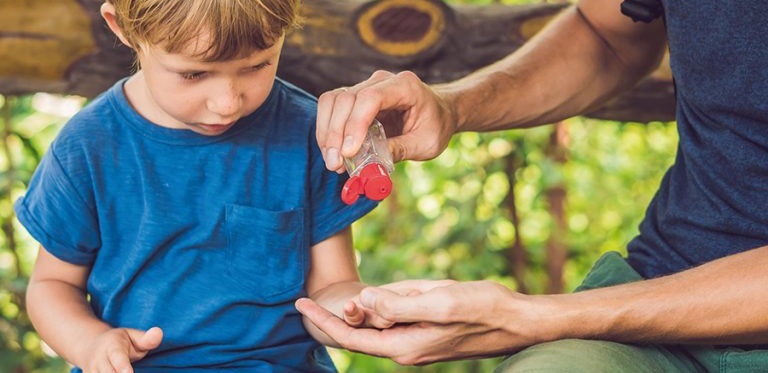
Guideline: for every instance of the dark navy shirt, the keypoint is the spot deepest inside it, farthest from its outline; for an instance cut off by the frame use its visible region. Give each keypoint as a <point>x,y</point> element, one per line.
<point>713,201</point>
<point>206,237</point>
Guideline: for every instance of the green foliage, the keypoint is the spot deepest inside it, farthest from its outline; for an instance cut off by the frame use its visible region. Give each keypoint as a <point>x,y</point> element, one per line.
<point>26,133</point>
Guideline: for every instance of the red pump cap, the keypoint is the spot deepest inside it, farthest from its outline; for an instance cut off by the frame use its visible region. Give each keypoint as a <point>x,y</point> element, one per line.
<point>373,182</point>
<point>352,190</point>
<point>376,181</point>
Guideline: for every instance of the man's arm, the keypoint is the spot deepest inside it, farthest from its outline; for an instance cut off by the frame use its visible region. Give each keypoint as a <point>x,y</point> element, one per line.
<point>586,55</point>
<point>714,303</point>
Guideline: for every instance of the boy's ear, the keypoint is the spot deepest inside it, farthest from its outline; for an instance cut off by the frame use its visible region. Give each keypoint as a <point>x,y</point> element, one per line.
<point>110,15</point>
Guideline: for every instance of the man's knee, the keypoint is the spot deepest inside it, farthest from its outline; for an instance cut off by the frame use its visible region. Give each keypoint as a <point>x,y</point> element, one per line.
<point>579,356</point>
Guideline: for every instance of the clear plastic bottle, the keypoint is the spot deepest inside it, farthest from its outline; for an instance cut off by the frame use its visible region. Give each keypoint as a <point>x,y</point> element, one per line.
<point>370,168</point>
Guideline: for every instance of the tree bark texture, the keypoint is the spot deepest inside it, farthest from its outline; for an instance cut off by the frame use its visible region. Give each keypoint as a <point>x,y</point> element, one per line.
<point>63,46</point>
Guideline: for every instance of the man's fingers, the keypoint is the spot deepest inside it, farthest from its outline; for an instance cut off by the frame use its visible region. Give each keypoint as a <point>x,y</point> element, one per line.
<point>409,301</point>
<point>333,110</point>
<point>396,307</point>
<point>324,110</point>
<point>323,319</point>
<point>345,114</point>
<point>377,321</point>
<point>368,102</point>
<point>422,286</point>
<point>382,91</point>
<point>336,134</point>
<point>337,126</point>
<point>364,340</point>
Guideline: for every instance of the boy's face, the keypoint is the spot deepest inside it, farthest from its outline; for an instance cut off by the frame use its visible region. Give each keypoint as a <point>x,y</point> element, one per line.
<point>178,91</point>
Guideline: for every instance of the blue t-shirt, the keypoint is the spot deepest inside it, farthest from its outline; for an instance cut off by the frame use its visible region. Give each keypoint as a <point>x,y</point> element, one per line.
<point>712,202</point>
<point>207,237</point>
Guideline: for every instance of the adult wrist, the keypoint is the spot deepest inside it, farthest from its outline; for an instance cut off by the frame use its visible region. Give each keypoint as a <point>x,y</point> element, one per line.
<point>451,103</point>
<point>514,313</point>
<point>584,315</point>
<point>557,316</point>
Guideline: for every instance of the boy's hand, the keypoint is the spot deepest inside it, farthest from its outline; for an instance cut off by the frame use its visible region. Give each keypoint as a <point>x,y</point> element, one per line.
<point>114,350</point>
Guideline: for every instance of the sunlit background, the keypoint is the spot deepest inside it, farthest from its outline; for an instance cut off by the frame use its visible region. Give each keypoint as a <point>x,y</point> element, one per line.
<point>532,209</point>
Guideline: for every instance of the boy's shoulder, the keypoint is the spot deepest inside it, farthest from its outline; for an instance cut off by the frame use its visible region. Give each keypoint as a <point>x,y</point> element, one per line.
<point>294,96</point>
<point>93,123</point>
<point>290,111</point>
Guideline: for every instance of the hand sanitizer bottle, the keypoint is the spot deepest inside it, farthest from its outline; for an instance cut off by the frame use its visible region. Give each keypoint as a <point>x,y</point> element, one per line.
<point>370,168</point>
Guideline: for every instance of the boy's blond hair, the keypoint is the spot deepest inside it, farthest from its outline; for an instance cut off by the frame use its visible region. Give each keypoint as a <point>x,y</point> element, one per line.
<point>232,28</point>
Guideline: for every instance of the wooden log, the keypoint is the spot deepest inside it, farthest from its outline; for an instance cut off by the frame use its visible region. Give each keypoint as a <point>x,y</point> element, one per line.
<point>63,46</point>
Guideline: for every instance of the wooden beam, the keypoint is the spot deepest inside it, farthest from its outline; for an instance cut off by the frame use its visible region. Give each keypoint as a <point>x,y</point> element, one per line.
<point>63,46</point>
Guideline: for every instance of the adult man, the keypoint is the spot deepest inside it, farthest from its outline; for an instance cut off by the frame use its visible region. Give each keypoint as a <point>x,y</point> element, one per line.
<point>701,248</point>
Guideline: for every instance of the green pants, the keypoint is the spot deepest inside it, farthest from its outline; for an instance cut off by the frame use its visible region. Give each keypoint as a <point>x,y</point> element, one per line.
<point>590,356</point>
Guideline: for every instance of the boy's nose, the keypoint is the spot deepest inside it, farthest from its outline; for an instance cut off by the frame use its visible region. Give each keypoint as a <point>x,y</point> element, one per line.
<point>226,102</point>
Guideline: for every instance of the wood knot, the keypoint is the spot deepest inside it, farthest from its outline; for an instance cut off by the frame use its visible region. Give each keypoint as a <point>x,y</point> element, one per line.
<point>401,27</point>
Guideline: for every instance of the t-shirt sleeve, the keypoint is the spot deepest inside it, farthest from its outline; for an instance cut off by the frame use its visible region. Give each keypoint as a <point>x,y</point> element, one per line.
<point>56,211</point>
<point>329,214</point>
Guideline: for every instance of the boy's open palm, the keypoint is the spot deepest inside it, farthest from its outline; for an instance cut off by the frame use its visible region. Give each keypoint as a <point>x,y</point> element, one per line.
<point>114,350</point>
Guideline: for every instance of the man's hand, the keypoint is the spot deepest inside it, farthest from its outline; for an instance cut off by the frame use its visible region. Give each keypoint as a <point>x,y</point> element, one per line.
<point>359,316</point>
<point>114,350</point>
<point>417,121</point>
<point>438,321</point>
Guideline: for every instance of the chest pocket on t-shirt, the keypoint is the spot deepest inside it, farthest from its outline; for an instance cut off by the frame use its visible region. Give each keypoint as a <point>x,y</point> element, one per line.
<point>267,252</point>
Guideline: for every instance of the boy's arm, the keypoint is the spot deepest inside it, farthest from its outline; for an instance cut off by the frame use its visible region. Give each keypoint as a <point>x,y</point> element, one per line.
<point>333,279</point>
<point>59,310</point>
<point>57,306</point>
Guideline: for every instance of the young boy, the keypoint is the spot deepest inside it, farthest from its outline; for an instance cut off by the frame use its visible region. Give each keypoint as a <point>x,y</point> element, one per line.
<point>182,212</point>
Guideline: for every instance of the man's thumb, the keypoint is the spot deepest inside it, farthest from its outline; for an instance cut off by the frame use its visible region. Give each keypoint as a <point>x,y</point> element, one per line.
<point>392,306</point>
<point>413,147</point>
<point>398,146</point>
<point>383,302</point>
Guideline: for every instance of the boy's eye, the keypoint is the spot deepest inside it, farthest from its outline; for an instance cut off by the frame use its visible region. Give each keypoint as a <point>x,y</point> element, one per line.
<point>196,75</point>
<point>192,76</point>
<point>260,66</point>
